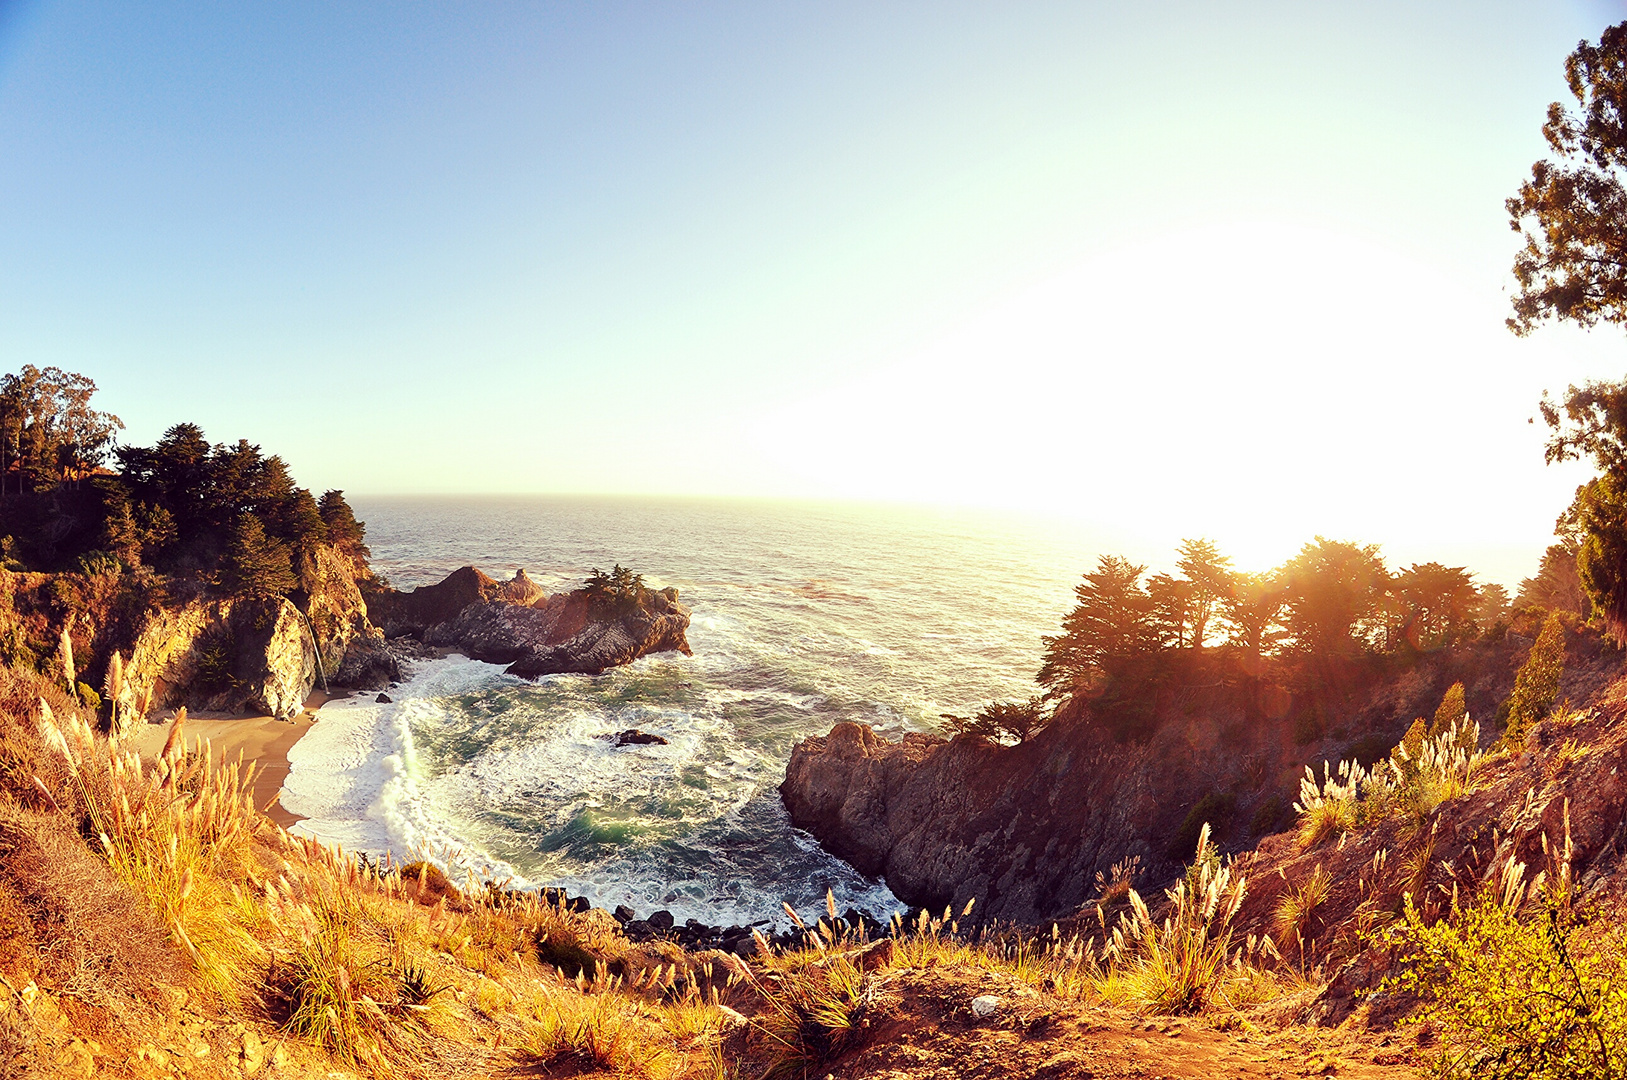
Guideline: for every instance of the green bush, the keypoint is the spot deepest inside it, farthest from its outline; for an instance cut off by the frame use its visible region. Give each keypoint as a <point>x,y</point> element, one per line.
<point>1270,816</point>
<point>1368,750</point>
<point>1215,810</point>
<point>89,698</point>
<point>1309,725</point>
<point>1536,687</point>
<point>1513,1000</point>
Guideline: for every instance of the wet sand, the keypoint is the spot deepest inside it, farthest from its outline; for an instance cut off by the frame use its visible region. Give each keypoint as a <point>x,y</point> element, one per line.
<point>263,741</point>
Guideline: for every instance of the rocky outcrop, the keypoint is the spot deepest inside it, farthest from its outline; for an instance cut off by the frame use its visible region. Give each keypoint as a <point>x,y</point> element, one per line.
<point>658,624</point>
<point>228,655</point>
<point>1025,829</point>
<point>513,622</point>
<point>1022,829</point>
<point>416,611</point>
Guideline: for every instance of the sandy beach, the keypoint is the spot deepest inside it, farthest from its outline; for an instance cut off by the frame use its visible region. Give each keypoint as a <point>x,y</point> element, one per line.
<point>263,741</point>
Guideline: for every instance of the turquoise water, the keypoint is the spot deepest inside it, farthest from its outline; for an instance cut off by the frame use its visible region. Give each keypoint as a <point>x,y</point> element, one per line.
<point>803,616</point>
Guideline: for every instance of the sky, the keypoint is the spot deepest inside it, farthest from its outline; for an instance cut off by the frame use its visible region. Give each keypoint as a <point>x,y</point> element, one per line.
<point>1166,269</point>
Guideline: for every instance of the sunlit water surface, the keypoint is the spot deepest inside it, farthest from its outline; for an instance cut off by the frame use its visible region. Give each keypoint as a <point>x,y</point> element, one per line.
<point>803,616</point>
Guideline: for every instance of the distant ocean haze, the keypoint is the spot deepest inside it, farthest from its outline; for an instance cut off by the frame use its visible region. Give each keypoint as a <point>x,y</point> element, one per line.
<point>804,615</point>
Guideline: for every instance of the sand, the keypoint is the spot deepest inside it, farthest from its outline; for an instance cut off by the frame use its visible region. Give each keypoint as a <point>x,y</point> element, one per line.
<point>263,741</point>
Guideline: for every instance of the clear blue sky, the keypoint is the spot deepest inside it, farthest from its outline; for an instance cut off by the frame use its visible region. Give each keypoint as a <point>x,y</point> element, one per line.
<point>1249,258</point>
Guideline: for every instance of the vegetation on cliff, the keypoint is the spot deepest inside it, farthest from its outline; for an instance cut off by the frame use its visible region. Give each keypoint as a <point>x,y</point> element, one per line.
<point>1315,626</point>
<point>98,539</point>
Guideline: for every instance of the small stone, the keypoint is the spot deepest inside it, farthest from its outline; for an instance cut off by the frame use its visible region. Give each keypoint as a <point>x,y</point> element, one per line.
<point>625,914</point>
<point>731,1019</point>
<point>984,1005</point>
<point>383,699</point>
<point>661,920</point>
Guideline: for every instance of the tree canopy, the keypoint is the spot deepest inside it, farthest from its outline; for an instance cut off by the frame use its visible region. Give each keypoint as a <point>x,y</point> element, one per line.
<point>71,497</point>
<point>1573,262</point>
<point>49,434</point>
<point>1572,266</point>
<point>1332,606</point>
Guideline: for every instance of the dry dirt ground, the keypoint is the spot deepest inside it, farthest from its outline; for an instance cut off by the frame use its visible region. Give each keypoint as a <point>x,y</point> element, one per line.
<point>932,1034</point>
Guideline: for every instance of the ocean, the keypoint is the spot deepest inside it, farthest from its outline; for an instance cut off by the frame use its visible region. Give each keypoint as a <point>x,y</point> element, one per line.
<point>804,615</point>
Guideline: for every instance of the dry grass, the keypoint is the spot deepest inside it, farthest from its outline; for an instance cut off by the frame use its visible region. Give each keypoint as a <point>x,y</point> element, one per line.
<point>185,886</point>
<point>1189,961</point>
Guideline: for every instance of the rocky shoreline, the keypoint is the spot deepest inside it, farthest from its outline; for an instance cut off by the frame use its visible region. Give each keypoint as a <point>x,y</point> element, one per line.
<point>268,655</point>
<point>692,934</point>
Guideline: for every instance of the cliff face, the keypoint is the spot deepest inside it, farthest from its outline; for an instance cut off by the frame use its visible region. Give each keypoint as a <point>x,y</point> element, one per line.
<point>243,655</point>
<point>260,655</point>
<point>1025,829</point>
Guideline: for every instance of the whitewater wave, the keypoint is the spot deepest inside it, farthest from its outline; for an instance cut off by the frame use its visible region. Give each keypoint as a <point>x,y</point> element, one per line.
<point>356,778</point>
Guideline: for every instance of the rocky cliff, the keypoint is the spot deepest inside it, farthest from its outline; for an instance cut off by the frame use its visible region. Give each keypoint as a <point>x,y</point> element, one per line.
<point>260,654</point>
<point>1025,829</point>
<point>242,655</point>
<point>513,622</point>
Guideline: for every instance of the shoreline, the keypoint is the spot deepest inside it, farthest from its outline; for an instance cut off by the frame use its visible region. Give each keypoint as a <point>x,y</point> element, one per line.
<point>261,741</point>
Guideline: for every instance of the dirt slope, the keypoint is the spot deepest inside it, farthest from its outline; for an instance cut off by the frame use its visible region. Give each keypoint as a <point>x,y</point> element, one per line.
<point>933,1034</point>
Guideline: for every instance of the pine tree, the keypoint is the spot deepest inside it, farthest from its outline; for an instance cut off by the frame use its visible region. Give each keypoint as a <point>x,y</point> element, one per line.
<point>256,565</point>
<point>344,531</point>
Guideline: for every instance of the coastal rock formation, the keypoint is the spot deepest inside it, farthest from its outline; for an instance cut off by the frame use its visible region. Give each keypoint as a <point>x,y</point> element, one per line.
<point>603,641</point>
<point>416,611</point>
<point>513,622</point>
<point>261,654</point>
<point>1025,829</point>
<point>254,655</point>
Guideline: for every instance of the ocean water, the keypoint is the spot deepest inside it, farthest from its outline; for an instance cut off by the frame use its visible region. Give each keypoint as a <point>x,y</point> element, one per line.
<point>804,615</point>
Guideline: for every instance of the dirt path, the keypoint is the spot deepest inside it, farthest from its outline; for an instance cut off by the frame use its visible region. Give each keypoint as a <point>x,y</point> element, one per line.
<point>933,1035</point>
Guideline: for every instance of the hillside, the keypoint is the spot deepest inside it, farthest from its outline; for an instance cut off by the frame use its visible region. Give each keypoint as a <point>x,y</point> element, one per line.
<point>161,926</point>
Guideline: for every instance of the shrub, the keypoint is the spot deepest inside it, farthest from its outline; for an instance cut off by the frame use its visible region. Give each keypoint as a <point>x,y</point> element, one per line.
<point>1451,713</point>
<point>1368,750</point>
<point>1512,999</point>
<point>1536,686</point>
<point>1269,815</point>
<point>814,1011</point>
<point>1214,811</point>
<point>593,1033</point>
<point>1294,917</point>
<point>1421,773</point>
<point>1188,961</point>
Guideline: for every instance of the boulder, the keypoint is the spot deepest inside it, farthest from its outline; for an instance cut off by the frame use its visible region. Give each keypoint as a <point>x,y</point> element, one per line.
<point>634,737</point>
